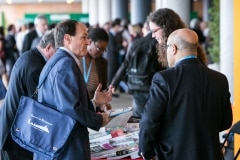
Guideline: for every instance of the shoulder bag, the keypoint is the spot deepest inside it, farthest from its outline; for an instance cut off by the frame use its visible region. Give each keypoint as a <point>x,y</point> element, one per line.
<point>41,128</point>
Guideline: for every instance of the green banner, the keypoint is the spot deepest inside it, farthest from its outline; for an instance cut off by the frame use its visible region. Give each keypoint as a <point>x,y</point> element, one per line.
<point>56,17</point>
<point>2,19</point>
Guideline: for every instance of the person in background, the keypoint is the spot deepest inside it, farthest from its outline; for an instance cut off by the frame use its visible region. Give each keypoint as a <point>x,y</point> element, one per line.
<point>195,25</point>
<point>139,48</point>
<point>185,117</point>
<point>2,85</point>
<point>41,26</point>
<point>23,82</point>
<point>24,29</point>
<point>12,56</point>
<point>93,66</point>
<point>10,38</point>
<point>6,55</point>
<point>65,88</point>
<point>135,31</point>
<point>113,49</point>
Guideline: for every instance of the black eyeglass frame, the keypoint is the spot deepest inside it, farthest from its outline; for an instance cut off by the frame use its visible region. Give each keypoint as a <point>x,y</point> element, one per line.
<point>98,48</point>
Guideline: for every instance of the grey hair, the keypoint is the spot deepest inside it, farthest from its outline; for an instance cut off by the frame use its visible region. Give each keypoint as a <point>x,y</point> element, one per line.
<point>38,18</point>
<point>47,38</point>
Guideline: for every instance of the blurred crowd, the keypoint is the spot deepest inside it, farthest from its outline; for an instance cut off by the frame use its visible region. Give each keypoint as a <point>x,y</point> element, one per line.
<point>16,39</point>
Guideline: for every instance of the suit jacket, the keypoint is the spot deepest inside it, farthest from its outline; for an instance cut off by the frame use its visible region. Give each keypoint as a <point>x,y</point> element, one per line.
<point>23,82</point>
<point>28,39</point>
<point>112,56</point>
<point>188,106</point>
<point>65,89</point>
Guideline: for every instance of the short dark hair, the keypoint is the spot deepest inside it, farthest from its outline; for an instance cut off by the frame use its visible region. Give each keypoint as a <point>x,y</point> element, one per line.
<point>62,28</point>
<point>98,34</point>
<point>116,22</point>
<point>39,17</point>
<point>10,27</point>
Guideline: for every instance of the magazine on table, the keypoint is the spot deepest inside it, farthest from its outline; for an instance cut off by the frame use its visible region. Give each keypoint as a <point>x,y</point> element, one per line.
<point>114,141</point>
<point>119,119</point>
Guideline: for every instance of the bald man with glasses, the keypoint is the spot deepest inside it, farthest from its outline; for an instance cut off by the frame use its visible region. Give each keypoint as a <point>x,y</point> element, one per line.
<point>189,104</point>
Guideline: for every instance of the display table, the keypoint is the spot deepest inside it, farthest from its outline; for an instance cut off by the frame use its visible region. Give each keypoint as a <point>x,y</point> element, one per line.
<point>118,140</point>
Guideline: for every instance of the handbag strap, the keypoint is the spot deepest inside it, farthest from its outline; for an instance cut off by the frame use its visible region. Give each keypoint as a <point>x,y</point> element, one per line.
<point>45,74</point>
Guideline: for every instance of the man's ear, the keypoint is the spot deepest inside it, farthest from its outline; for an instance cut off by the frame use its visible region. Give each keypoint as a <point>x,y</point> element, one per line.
<point>48,47</point>
<point>67,38</point>
<point>174,49</point>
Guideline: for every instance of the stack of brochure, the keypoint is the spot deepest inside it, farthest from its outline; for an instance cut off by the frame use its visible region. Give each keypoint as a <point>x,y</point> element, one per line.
<point>118,139</point>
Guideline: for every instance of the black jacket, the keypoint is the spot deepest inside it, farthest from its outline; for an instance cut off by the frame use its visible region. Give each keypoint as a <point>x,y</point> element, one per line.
<point>125,68</point>
<point>23,81</point>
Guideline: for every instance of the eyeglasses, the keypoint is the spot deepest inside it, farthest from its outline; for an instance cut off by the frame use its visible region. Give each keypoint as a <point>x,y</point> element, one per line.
<point>155,30</point>
<point>165,46</point>
<point>99,49</point>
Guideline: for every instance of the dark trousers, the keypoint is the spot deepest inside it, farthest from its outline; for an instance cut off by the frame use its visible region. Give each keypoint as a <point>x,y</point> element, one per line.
<point>12,151</point>
<point>7,155</point>
<point>139,101</point>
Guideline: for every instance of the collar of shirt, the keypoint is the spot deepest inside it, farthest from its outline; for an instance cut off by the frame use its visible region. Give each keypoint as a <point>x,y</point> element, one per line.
<point>184,58</point>
<point>71,53</point>
<point>40,34</point>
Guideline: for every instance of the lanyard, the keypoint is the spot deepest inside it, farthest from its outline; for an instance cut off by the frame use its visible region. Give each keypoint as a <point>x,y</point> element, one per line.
<point>86,73</point>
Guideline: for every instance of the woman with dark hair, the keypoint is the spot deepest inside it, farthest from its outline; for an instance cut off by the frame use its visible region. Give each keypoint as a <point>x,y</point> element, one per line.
<point>93,66</point>
<point>162,23</point>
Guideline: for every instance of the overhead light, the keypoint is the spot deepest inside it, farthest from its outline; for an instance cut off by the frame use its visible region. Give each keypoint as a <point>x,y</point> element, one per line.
<point>9,1</point>
<point>69,1</point>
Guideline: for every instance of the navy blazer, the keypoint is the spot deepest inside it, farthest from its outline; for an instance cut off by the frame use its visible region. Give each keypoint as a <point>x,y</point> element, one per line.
<point>188,106</point>
<point>65,89</point>
<point>23,82</point>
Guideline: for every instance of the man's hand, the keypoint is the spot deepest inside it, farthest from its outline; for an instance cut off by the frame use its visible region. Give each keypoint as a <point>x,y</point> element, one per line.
<point>106,107</point>
<point>105,119</point>
<point>102,97</point>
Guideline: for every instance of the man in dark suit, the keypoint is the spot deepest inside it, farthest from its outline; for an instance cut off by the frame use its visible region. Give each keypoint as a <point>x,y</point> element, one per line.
<point>112,53</point>
<point>189,105</point>
<point>41,26</point>
<point>65,88</point>
<point>23,82</point>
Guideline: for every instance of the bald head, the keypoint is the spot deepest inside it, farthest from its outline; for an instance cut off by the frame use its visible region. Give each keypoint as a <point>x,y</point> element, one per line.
<point>184,42</point>
<point>184,35</point>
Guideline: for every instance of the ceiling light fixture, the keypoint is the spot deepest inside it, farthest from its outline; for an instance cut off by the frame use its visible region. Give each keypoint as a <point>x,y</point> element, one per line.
<point>9,1</point>
<point>69,1</point>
